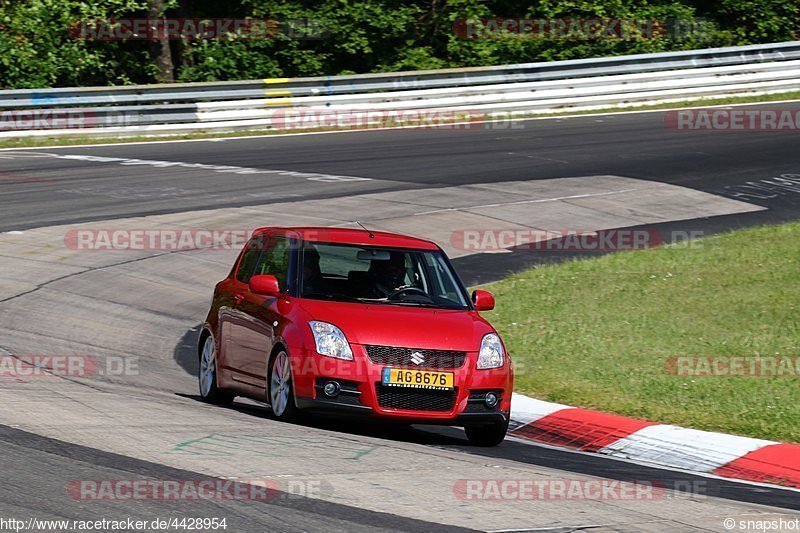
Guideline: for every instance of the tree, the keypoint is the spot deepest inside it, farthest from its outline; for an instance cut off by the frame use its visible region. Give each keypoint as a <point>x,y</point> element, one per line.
<point>160,49</point>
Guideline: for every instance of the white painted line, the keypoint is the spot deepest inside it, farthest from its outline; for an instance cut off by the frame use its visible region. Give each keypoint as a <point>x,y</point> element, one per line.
<point>272,135</point>
<point>232,169</point>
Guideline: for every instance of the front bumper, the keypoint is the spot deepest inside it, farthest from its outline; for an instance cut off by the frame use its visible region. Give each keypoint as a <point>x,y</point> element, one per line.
<point>360,382</point>
<point>465,419</point>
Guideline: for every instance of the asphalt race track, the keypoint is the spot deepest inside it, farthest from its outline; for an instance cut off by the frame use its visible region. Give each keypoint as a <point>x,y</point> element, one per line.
<point>145,306</point>
<point>637,145</point>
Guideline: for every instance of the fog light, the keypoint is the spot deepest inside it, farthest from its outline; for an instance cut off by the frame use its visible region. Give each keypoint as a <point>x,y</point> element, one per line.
<point>491,400</point>
<point>331,389</point>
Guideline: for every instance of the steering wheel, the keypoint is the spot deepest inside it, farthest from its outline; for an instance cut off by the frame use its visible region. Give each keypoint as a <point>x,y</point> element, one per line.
<point>403,290</point>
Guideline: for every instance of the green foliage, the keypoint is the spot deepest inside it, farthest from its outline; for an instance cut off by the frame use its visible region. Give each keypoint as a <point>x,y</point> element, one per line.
<point>36,49</point>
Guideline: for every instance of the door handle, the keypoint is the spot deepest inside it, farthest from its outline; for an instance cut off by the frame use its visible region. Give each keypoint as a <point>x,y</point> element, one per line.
<point>238,298</point>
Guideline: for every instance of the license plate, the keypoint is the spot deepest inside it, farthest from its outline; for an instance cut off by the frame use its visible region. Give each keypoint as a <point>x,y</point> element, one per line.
<point>418,379</point>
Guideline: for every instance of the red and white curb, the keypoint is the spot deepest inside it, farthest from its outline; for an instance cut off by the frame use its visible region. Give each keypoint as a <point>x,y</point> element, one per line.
<point>662,445</point>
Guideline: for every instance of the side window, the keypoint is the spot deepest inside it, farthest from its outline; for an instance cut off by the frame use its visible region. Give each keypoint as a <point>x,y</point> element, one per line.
<point>249,259</point>
<point>275,260</point>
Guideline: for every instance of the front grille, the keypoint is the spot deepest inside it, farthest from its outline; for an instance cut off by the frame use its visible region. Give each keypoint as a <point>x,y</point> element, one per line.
<point>394,356</point>
<point>415,399</point>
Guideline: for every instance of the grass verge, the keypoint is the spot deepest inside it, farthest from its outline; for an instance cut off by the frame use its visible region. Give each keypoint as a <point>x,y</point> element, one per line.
<point>597,333</point>
<point>28,142</point>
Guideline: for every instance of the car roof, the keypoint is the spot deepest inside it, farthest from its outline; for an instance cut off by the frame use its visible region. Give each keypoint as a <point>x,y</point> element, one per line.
<point>355,236</point>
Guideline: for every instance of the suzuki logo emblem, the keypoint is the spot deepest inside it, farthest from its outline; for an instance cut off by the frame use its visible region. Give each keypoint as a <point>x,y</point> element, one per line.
<point>417,358</point>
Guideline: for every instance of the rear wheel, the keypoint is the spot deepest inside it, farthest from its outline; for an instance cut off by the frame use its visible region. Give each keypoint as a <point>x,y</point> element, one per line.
<point>487,435</point>
<point>281,390</point>
<point>207,375</point>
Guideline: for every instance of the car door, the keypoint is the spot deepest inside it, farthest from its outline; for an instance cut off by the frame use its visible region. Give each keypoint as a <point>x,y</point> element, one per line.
<point>231,295</point>
<point>253,330</point>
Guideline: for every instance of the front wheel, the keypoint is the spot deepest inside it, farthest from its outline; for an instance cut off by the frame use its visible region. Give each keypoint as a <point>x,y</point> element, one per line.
<point>281,392</point>
<point>487,435</point>
<point>207,376</point>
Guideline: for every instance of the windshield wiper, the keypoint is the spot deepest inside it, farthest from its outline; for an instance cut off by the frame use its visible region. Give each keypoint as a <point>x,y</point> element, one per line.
<point>411,302</point>
<point>379,301</point>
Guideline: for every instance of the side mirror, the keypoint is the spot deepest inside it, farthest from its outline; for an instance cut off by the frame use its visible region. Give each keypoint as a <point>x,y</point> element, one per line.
<point>483,300</point>
<point>265,285</point>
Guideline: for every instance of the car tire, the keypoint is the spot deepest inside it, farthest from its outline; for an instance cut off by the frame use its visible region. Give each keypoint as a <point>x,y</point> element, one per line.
<point>280,387</point>
<point>487,435</point>
<point>207,375</point>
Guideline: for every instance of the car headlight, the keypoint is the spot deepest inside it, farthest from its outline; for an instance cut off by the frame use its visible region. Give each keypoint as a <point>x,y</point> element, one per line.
<point>331,341</point>
<point>491,354</point>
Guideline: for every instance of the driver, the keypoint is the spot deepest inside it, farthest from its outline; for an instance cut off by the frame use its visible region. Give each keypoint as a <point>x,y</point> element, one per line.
<point>389,276</point>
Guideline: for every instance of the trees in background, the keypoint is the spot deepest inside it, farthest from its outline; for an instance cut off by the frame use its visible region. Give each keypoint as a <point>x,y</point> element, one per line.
<point>38,50</point>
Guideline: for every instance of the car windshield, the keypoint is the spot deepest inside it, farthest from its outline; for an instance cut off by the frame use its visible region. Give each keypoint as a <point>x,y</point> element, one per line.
<point>389,276</point>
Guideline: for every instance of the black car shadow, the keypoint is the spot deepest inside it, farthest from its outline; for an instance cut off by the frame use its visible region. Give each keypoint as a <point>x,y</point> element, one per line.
<point>185,352</point>
<point>353,425</point>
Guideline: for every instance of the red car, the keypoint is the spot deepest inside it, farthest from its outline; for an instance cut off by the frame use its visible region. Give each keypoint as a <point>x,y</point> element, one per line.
<point>355,321</point>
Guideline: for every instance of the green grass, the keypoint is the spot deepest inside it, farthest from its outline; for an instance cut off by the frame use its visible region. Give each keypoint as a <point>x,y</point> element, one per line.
<point>596,333</point>
<point>28,142</point>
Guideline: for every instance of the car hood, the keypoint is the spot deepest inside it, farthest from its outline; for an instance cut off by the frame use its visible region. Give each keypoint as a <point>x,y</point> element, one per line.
<point>409,327</point>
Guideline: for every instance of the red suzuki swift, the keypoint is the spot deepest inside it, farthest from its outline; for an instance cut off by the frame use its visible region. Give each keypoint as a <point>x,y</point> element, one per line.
<point>355,321</point>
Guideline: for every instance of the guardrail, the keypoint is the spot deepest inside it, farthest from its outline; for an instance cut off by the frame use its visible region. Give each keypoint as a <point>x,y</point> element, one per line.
<point>490,91</point>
